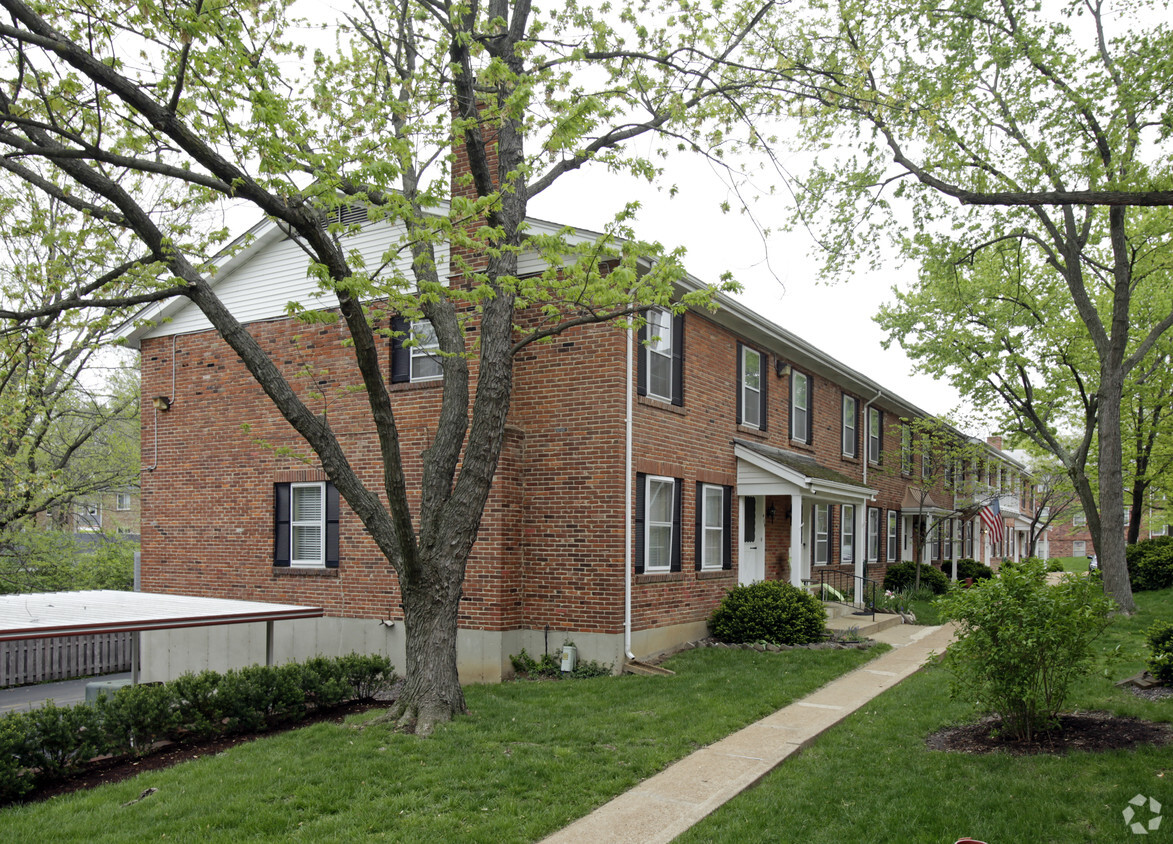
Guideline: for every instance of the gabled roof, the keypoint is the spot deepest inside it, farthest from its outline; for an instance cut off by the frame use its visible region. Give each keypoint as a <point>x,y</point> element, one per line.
<point>800,469</point>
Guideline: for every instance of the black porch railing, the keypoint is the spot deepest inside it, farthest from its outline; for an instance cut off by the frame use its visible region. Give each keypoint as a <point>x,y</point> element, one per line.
<point>847,588</point>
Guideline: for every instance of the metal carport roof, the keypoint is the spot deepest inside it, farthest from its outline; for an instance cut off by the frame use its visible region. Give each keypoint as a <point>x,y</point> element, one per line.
<point>43,614</point>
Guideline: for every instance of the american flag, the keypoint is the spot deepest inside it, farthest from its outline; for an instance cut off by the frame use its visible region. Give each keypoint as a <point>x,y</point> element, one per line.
<point>992,519</point>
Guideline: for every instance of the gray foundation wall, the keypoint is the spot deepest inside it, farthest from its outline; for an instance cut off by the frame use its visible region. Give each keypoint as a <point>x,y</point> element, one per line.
<point>482,656</point>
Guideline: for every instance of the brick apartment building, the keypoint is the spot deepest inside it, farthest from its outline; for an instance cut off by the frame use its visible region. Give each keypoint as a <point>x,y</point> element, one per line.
<point>751,455</point>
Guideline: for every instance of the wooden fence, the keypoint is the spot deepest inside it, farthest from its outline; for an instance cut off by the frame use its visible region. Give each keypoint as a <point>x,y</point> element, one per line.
<point>62,658</point>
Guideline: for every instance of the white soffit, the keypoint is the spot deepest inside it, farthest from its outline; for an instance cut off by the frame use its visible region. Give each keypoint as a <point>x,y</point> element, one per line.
<point>43,614</point>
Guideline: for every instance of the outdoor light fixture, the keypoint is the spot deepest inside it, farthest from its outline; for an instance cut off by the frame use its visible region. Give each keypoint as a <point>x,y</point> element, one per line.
<point>161,403</point>
<point>771,511</point>
<point>781,367</point>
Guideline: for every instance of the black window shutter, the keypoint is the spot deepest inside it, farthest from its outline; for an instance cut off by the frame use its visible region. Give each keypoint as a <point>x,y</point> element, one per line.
<point>727,528</point>
<point>641,383</point>
<point>677,489</point>
<point>740,386</point>
<point>400,357</point>
<point>764,380</point>
<point>810,410</point>
<point>899,538</point>
<point>640,484</point>
<point>700,523</point>
<point>678,360</point>
<point>331,526</point>
<point>281,515</point>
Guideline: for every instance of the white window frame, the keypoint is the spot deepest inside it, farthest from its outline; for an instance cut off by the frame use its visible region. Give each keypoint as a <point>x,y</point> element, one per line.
<point>803,436</point>
<point>747,390</point>
<point>712,523</point>
<point>659,351</point>
<point>893,546</point>
<point>873,554</point>
<point>1079,520</point>
<point>424,351</point>
<point>649,524</point>
<point>875,434</point>
<point>934,543</point>
<point>122,501</point>
<point>850,426</point>
<point>906,449</point>
<point>1079,548</point>
<point>821,518</point>
<point>89,518</point>
<point>926,463</point>
<point>319,523</point>
<point>847,533</point>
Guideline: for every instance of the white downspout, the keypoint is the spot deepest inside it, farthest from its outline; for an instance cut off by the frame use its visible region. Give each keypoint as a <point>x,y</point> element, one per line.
<point>868,433</point>
<point>629,528</point>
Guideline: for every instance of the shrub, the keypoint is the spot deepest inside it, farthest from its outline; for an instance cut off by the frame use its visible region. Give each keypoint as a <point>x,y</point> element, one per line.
<point>902,577</point>
<point>324,682</point>
<point>367,674</point>
<point>769,611</point>
<point>198,706</point>
<point>1150,563</point>
<point>60,738</point>
<point>16,780</point>
<point>1055,565</point>
<point>1021,643</point>
<point>549,667</point>
<point>1160,661</point>
<point>135,717</point>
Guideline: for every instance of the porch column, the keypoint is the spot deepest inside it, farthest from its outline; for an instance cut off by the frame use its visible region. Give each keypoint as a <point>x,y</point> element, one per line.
<point>796,528</point>
<point>861,548</point>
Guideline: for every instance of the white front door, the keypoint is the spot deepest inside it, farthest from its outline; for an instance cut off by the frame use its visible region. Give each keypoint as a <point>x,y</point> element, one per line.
<point>751,566</point>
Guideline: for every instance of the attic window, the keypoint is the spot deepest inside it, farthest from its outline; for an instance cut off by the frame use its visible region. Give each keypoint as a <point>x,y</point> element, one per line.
<point>348,215</point>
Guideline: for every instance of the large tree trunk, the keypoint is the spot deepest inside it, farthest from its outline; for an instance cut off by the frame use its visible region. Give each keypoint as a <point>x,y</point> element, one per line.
<point>1110,542</point>
<point>1136,515</point>
<point>431,694</point>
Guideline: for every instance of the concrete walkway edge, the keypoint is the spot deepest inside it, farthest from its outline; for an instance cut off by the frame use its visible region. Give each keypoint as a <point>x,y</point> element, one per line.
<point>665,805</point>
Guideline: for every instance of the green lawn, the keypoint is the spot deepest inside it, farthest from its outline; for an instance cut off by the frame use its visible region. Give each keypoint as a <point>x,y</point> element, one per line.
<point>1077,564</point>
<point>871,779</point>
<point>529,759</point>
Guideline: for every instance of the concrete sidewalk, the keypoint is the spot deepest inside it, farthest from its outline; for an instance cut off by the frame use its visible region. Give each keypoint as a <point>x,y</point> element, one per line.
<point>664,806</point>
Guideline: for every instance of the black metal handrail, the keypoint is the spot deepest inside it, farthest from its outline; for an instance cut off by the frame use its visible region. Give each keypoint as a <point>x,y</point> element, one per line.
<point>855,591</point>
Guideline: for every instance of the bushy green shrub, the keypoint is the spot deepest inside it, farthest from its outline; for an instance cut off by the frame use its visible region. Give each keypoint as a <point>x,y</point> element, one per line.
<point>45,745</point>
<point>968,568</point>
<point>135,717</point>
<point>769,611</point>
<point>1160,661</point>
<point>16,779</point>
<point>368,674</point>
<point>60,738</point>
<point>1055,566</point>
<point>1021,643</point>
<point>1150,563</point>
<point>198,710</point>
<point>549,667</point>
<point>902,576</point>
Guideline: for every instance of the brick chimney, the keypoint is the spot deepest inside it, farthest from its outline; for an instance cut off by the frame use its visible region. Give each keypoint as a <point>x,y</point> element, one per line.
<point>995,441</point>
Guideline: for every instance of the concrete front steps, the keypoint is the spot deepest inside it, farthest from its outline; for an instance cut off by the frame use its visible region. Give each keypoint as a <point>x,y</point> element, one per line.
<point>841,618</point>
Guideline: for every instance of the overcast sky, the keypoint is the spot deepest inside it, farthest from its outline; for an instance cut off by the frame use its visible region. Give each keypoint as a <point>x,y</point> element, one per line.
<point>779,275</point>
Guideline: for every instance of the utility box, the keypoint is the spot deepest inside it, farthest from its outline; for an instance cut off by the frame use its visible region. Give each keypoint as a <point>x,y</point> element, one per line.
<point>569,657</point>
<point>104,687</point>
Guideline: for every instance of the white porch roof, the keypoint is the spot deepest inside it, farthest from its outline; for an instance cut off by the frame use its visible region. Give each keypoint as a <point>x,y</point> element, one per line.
<point>44,614</point>
<point>765,470</point>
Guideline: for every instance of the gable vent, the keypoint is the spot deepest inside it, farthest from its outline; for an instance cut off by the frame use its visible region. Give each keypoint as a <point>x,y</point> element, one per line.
<point>348,215</point>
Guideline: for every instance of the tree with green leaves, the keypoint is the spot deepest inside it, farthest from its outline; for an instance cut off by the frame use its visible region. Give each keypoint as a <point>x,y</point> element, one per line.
<point>155,114</point>
<point>1030,145</point>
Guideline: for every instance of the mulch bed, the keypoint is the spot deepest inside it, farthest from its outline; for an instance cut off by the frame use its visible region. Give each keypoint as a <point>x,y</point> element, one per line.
<point>1088,731</point>
<point>102,771</point>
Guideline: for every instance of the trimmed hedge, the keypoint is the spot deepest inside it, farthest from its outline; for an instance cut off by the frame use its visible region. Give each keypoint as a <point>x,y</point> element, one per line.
<point>1150,564</point>
<point>968,567</point>
<point>902,576</point>
<point>769,611</point>
<point>44,746</point>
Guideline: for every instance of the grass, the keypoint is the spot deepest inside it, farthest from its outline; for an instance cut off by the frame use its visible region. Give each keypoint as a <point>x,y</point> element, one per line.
<point>529,759</point>
<point>1076,564</point>
<point>872,779</point>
